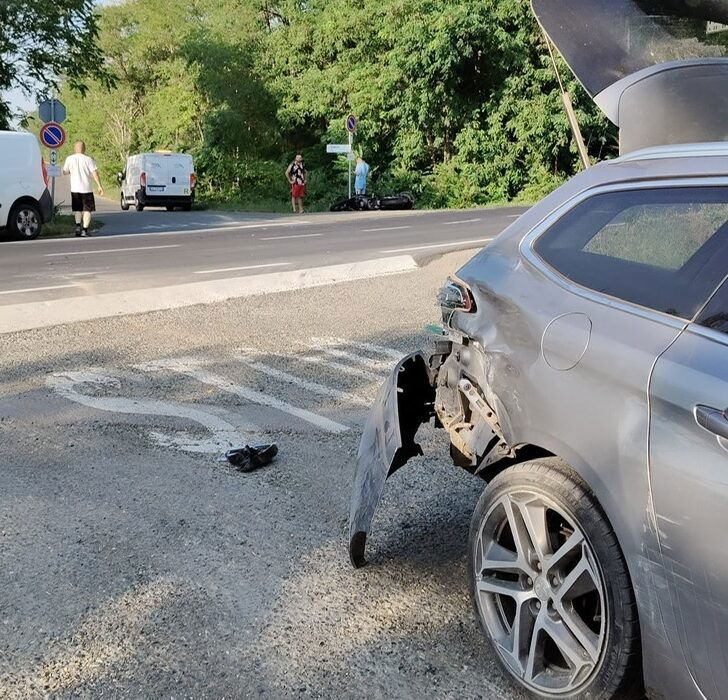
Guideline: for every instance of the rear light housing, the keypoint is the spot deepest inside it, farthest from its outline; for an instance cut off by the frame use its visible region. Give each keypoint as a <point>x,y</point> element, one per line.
<point>44,170</point>
<point>456,296</point>
<point>193,181</point>
<point>143,179</point>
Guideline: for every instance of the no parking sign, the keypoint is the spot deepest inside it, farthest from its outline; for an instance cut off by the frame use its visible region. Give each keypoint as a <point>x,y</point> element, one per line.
<point>52,135</point>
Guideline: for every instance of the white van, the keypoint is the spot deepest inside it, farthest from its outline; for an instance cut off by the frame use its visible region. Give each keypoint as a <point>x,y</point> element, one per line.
<point>25,203</point>
<point>160,179</point>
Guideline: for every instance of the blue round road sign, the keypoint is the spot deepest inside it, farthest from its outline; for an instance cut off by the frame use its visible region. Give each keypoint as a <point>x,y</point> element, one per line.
<point>52,135</point>
<point>351,122</point>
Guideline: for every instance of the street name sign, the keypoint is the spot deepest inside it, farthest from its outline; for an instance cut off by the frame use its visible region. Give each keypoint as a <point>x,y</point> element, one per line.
<point>338,148</point>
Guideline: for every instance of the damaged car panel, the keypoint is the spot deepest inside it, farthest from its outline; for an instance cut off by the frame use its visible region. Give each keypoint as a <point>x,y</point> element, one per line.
<point>388,442</point>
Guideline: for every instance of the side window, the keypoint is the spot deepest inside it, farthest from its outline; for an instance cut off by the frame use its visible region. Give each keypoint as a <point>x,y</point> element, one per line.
<point>665,249</point>
<point>715,314</point>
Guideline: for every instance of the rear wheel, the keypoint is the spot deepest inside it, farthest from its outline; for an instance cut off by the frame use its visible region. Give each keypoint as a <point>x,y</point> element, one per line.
<point>137,203</point>
<point>341,205</point>
<point>25,221</point>
<point>123,203</point>
<point>551,588</point>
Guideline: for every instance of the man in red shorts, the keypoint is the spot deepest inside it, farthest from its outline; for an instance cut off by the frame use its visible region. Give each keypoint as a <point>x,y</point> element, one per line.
<point>297,175</point>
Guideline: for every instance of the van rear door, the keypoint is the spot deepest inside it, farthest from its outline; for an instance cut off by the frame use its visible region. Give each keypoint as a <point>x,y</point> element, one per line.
<point>157,174</point>
<point>179,167</point>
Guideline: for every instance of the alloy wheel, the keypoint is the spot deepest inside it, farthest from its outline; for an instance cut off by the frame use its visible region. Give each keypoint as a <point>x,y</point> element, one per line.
<point>27,223</point>
<point>540,593</point>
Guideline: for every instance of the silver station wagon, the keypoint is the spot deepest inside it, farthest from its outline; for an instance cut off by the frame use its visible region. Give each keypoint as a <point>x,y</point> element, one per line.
<point>582,373</point>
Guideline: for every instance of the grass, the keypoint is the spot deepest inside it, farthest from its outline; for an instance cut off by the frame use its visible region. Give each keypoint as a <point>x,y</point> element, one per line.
<point>64,225</point>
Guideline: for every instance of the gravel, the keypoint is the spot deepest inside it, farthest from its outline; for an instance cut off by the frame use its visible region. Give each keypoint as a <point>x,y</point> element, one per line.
<point>128,569</point>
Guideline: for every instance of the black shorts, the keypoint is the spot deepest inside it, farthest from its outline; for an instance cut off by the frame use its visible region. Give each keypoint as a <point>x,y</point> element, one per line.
<point>83,201</point>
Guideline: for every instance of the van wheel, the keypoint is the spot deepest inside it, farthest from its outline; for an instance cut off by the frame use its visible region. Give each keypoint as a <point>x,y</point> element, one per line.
<point>25,221</point>
<point>124,203</point>
<point>137,204</point>
<point>551,587</point>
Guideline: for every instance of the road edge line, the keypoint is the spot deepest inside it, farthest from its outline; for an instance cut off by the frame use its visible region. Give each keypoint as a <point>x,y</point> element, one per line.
<point>56,312</point>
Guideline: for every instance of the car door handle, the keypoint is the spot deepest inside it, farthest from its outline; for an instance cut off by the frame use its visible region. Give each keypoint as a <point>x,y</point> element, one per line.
<point>712,419</point>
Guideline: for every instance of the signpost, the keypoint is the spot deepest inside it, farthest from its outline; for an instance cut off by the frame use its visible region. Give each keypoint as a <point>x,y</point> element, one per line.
<point>351,124</point>
<point>53,113</point>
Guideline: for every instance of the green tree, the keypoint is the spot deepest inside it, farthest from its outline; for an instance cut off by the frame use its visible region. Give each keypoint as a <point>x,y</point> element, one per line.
<point>44,41</point>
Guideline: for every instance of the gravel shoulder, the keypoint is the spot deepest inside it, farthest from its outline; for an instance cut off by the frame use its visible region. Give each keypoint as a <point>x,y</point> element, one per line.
<point>132,567</point>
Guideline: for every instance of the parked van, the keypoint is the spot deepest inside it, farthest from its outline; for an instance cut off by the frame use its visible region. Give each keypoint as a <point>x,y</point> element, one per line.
<point>25,203</point>
<point>161,179</point>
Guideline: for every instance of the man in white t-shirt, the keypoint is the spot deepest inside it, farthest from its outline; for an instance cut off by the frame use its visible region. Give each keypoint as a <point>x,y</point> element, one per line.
<point>82,170</point>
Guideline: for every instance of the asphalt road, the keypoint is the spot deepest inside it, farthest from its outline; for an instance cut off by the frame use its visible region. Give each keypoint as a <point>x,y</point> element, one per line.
<point>140,251</point>
<point>134,564</point>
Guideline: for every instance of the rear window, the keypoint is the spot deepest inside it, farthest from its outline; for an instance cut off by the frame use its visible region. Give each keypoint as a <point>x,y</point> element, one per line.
<point>665,249</point>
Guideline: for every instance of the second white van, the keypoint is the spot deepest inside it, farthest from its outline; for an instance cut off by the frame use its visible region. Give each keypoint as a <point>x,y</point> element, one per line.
<point>160,179</point>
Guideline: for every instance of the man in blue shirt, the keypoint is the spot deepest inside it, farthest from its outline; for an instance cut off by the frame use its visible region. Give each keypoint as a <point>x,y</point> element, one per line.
<point>361,172</point>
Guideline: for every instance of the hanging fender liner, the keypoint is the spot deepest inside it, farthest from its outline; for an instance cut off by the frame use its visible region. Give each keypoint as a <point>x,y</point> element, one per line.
<point>405,401</point>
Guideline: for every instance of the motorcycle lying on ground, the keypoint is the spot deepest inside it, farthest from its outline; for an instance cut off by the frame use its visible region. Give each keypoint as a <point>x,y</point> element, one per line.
<point>368,202</point>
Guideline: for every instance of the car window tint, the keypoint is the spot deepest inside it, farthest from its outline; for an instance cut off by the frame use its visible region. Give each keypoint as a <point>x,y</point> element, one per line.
<point>715,314</point>
<point>665,248</point>
<point>665,235</point>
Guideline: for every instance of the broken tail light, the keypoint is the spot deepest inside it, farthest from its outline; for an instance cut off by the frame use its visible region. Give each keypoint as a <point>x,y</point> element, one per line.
<point>44,170</point>
<point>143,179</point>
<point>193,181</point>
<point>455,296</point>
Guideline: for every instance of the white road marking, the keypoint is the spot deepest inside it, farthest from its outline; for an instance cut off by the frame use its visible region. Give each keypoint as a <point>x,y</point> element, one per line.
<point>313,387</point>
<point>244,267</point>
<point>54,312</point>
<point>437,245</point>
<point>356,359</point>
<point>86,274</point>
<point>346,369</point>
<point>224,434</point>
<point>462,221</point>
<point>280,238</point>
<point>225,227</point>
<point>191,368</point>
<point>513,216</point>
<point>388,352</point>
<point>37,289</point>
<point>388,228</point>
<point>109,250</point>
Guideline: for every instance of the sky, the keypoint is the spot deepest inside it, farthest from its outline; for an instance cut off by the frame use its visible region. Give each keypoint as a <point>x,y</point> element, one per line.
<point>22,103</point>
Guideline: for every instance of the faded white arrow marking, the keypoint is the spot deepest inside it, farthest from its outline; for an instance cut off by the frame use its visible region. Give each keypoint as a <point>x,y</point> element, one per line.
<point>193,367</point>
<point>223,434</point>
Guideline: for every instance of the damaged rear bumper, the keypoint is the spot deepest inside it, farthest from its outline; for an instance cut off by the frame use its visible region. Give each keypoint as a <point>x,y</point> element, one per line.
<point>442,385</point>
<point>405,401</point>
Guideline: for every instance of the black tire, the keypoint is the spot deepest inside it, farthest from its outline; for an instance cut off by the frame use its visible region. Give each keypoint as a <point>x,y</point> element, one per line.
<point>341,205</point>
<point>137,203</point>
<point>396,202</point>
<point>25,221</point>
<point>614,669</point>
<point>123,203</point>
